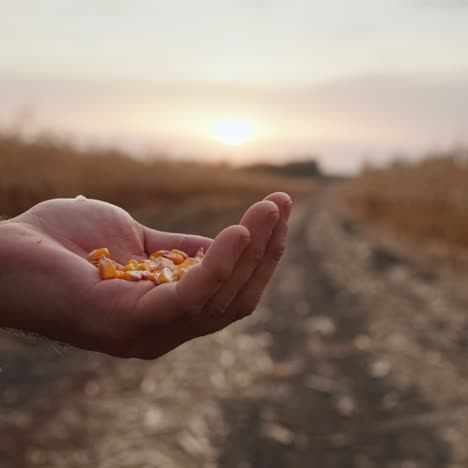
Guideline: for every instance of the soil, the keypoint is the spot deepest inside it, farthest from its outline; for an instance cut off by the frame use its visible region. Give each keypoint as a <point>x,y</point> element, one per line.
<point>355,358</point>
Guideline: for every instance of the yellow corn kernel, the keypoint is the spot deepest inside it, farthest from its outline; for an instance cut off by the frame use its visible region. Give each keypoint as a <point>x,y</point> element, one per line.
<point>150,265</point>
<point>145,274</point>
<point>121,274</point>
<point>162,262</point>
<point>200,254</point>
<point>132,275</point>
<point>131,265</point>
<point>166,276</point>
<point>179,252</point>
<point>158,253</point>
<point>163,266</point>
<point>154,277</point>
<point>175,257</point>
<point>96,254</point>
<point>107,269</point>
<point>180,273</point>
<point>189,262</point>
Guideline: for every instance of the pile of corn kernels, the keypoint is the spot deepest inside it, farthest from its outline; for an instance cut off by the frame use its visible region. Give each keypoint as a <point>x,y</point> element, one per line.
<point>162,266</point>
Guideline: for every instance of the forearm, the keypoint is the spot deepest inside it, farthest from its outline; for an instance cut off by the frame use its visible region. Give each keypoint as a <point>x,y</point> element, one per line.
<point>6,293</point>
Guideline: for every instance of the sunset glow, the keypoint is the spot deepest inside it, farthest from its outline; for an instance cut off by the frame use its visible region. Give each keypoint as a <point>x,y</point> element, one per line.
<point>232,132</point>
<point>240,80</point>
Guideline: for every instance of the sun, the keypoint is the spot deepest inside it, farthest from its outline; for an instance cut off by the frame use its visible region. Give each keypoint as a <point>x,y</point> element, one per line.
<point>232,132</point>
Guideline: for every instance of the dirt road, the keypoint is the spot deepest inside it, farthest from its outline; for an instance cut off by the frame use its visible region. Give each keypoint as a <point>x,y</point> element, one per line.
<point>356,358</point>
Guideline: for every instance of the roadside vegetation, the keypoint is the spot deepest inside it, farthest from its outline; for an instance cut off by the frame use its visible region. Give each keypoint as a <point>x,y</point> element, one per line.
<point>425,200</point>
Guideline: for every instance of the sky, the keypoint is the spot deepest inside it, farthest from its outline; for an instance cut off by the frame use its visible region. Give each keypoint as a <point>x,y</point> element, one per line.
<point>345,81</point>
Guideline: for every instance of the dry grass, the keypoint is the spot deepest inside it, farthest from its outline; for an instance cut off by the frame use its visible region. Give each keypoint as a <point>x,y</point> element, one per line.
<point>34,171</point>
<point>426,200</point>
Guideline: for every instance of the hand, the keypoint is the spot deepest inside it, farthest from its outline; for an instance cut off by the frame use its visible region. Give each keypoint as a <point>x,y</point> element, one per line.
<point>48,287</point>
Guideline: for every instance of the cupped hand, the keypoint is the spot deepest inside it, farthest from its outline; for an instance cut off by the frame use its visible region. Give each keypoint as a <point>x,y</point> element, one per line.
<point>49,287</point>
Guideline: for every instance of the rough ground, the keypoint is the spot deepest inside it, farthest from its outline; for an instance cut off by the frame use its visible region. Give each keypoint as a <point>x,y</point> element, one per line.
<point>356,358</point>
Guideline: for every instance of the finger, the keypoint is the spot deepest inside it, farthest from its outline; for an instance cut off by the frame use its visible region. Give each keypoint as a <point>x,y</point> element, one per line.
<point>283,201</point>
<point>201,282</point>
<point>187,330</point>
<point>250,295</point>
<point>167,303</point>
<point>260,220</point>
<point>158,240</point>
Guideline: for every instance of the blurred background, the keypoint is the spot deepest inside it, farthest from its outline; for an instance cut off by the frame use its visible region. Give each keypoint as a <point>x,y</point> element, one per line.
<point>184,113</point>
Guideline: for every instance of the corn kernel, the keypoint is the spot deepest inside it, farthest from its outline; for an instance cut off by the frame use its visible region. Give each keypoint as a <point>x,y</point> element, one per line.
<point>132,275</point>
<point>107,269</point>
<point>145,274</point>
<point>163,266</point>
<point>166,276</point>
<point>175,257</point>
<point>179,252</point>
<point>189,262</point>
<point>154,277</point>
<point>162,262</point>
<point>180,273</point>
<point>96,254</point>
<point>159,253</point>
<point>200,254</point>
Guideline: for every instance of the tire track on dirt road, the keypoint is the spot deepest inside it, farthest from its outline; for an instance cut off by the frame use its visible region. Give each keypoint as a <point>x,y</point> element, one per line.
<point>362,378</point>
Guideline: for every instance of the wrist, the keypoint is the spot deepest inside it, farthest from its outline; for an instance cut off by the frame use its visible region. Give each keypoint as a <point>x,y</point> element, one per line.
<point>31,298</point>
<point>6,309</point>
<point>14,276</point>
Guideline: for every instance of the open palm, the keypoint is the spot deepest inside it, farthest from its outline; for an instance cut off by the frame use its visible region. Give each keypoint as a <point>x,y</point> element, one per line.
<point>52,289</point>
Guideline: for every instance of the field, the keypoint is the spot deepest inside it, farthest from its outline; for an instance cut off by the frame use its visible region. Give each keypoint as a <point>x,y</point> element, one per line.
<point>423,201</point>
<point>355,358</point>
<point>48,168</point>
